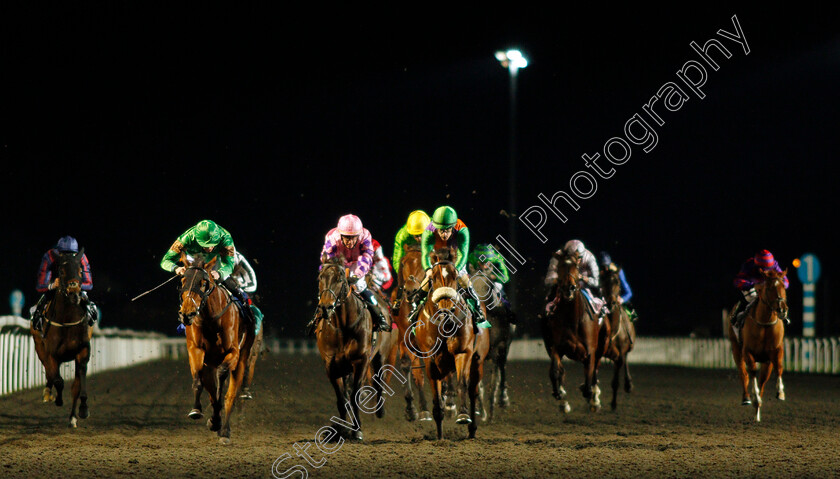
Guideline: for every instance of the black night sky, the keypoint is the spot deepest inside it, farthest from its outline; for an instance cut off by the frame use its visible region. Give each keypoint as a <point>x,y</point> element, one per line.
<point>125,125</point>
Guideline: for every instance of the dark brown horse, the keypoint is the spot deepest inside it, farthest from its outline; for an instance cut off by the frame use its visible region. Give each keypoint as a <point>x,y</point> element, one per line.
<point>66,337</point>
<point>762,341</point>
<point>623,333</point>
<point>501,335</point>
<point>445,339</point>
<point>571,329</point>
<point>409,280</point>
<point>345,340</point>
<point>219,342</point>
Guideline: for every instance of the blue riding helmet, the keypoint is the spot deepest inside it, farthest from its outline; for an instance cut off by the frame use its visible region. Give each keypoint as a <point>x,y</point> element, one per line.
<point>67,244</point>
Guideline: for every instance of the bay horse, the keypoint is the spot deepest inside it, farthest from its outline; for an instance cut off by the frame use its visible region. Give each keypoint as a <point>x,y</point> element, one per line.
<point>623,333</point>
<point>219,342</point>
<point>571,329</point>
<point>501,335</point>
<point>446,340</point>
<point>409,280</point>
<point>344,333</point>
<point>66,337</point>
<point>762,341</point>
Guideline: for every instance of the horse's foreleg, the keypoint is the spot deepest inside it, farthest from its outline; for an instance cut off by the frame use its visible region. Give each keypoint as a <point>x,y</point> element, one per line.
<point>778,365</point>
<point>743,374</point>
<point>618,364</point>
<point>501,366</point>
<point>360,368</point>
<point>462,381</point>
<point>419,382</point>
<point>591,384</point>
<point>437,402</point>
<point>235,378</point>
<point>405,366</point>
<point>375,369</point>
<point>474,375</point>
<point>210,382</point>
<point>79,389</point>
<point>557,376</point>
<point>628,380</point>
<point>758,387</point>
<point>196,359</point>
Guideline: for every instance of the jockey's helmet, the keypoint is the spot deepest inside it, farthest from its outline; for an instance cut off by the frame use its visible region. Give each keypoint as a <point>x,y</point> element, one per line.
<point>605,259</point>
<point>417,222</point>
<point>444,217</point>
<point>67,244</point>
<point>764,259</point>
<point>574,247</point>
<point>349,225</point>
<point>207,234</point>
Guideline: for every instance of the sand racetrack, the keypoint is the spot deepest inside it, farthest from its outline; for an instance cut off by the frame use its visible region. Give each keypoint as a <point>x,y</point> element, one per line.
<point>677,423</point>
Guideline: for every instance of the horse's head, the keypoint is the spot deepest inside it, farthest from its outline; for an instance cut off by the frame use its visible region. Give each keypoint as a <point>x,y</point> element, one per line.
<point>196,286</point>
<point>444,279</point>
<point>411,269</point>
<point>70,275</point>
<point>333,287</point>
<point>772,292</point>
<point>611,282</point>
<point>568,277</point>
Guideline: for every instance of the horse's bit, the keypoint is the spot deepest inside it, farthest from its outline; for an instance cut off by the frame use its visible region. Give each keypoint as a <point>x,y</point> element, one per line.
<point>330,309</point>
<point>198,288</point>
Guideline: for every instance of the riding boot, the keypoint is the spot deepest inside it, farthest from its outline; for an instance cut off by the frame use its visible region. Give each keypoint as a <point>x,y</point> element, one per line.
<point>241,297</point>
<point>379,321</point>
<point>472,302</point>
<point>417,307</point>
<point>36,313</point>
<point>91,309</point>
<point>395,305</point>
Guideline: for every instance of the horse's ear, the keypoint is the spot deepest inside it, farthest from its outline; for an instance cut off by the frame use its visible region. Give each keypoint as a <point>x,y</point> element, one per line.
<point>81,252</point>
<point>324,259</point>
<point>784,273</point>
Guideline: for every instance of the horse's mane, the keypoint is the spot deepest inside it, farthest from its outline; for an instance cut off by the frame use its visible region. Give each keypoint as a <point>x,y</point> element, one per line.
<point>444,254</point>
<point>413,247</point>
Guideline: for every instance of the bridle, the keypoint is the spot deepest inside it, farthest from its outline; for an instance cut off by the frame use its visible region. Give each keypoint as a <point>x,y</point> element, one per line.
<point>70,288</point>
<point>779,306</point>
<point>570,287</point>
<point>338,298</point>
<point>202,285</point>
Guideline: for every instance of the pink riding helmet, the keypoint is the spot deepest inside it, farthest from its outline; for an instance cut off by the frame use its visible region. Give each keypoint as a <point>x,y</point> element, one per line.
<point>349,225</point>
<point>764,259</point>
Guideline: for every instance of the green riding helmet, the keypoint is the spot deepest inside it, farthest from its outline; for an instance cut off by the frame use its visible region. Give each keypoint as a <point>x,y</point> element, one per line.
<point>444,217</point>
<point>207,234</point>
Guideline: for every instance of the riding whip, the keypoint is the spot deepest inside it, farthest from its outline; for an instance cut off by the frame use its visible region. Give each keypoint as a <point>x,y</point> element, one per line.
<point>156,287</point>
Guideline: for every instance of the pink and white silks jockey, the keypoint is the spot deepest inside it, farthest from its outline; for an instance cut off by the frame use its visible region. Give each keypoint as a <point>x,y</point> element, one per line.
<point>358,259</point>
<point>589,272</point>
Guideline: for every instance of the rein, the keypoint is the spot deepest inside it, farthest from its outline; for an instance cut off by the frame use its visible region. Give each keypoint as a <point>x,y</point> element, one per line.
<point>204,295</point>
<point>778,311</point>
<point>343,295</point>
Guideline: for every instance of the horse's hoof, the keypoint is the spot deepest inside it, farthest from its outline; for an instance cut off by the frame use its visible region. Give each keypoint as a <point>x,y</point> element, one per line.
<point>463,419</point>
<point>628,387</point>
<point>214,426</point>
<point>47,395</point>
<point>425,416</point>
<point>594,407</point>
<point>195,414</point>
<point>565,408</point>
<point>780,395</point>
<point>73,423</point>
<point>505,402</point>
<point>246,394</point>
<point>84,413</point>
<point>746,402</point>
<point>613,405</point>
<point>357,436</point>
<point>411,414</point>
<point>59,401</point>
<point>224,441</point>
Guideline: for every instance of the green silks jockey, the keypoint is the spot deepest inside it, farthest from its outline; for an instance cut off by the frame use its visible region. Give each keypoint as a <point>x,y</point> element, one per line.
<point>211,240</point>
<point>447,230</point>
<point>486,260</point>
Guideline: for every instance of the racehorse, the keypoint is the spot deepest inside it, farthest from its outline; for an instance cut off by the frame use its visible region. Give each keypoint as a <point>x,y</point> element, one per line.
<point>344,337</point>
<point>409,280</point>
<point>66,336</point>
<point>219,342</point>
<point>501,335</point>
<point>446,339</point>
<point>572,329</point>
<point>762,341</point>
<point>623,333</point>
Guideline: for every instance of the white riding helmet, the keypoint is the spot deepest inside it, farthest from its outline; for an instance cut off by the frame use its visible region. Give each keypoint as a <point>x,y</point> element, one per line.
<point>574,247</point>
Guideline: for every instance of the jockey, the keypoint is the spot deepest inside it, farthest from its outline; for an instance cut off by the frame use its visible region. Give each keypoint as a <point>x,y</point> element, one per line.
<point>381,267</point>
<point>486,260</point>
<point>625,292</point>
<point>408,236</point>
<point>352,241</point>
<point>752,273</point>
<point>246,278</point>
<point>588,268</point>
<point>211,240</point>
<point>48,281</point>
<point>446,229</point>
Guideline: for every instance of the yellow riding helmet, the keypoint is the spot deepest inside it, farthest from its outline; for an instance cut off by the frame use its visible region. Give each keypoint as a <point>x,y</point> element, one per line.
<point>417,222</point>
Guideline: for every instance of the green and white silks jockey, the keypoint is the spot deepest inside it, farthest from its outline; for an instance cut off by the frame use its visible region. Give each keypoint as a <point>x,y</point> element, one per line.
<point>485,259</point>
<point>211,240</point>
<point>447,230</point>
